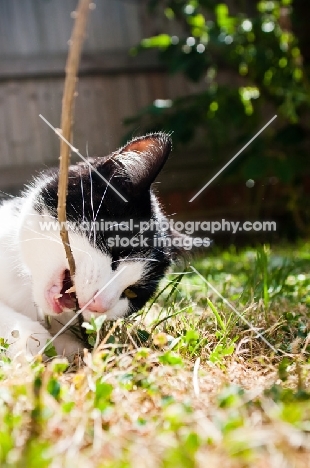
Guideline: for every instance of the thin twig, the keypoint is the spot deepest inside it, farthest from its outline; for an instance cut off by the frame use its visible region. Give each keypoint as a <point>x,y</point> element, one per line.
<point>72,66</point>
<point>105,339</point>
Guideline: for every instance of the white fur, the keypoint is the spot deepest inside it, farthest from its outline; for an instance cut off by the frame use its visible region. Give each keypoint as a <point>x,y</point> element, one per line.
<point>31,263</point>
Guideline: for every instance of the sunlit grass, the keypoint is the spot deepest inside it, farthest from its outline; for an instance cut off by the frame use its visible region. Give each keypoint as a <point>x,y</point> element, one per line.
<point>136,402</point>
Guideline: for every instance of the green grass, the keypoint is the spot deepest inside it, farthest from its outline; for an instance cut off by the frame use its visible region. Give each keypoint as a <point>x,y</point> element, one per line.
<point>187,383</point>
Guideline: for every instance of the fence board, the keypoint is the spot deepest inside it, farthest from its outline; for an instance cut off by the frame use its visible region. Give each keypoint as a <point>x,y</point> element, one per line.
<point>102,103</point>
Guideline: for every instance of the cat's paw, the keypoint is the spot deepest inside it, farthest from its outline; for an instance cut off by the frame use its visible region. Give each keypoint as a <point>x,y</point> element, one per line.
<point>24,336</point>
<point>27,340</point>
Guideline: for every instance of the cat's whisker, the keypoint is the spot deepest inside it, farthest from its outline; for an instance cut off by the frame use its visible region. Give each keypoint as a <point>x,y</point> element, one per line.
<point>6,194</point>
<point>49,238</point>
<point>116,224</point>
<point>37,238</point>
<point>103,196</point>
<point>179,273</point>
<point>74,209</point>
<point>136,258</point>
<point>42,236</point>
<point>82,192</point>
<point>138,233</point>
<point>92,203</point>
<point>41,214</point>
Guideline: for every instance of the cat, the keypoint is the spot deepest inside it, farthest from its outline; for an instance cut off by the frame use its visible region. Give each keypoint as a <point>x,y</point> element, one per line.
<point>34,274</point>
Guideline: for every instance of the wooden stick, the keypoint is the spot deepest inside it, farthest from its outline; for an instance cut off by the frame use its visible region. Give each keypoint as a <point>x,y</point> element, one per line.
<point>72,66</point>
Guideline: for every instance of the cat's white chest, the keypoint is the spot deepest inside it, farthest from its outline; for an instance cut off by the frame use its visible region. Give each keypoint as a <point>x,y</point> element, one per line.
<point>15,283</point>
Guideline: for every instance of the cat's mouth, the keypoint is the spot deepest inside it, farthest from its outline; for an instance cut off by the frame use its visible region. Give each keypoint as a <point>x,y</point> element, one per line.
<point>62,298</point>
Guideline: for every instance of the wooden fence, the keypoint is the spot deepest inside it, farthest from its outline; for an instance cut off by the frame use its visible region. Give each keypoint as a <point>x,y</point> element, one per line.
<point>113,85</point>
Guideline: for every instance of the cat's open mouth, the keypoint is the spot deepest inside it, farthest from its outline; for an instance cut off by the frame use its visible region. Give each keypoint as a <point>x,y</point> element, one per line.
<point>62,297</point>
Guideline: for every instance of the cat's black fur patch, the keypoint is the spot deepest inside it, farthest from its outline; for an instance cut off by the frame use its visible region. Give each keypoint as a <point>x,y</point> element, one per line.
<point>131,170</point>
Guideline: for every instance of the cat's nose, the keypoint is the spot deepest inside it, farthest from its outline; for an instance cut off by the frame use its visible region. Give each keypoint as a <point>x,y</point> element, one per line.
<point>99,305</point>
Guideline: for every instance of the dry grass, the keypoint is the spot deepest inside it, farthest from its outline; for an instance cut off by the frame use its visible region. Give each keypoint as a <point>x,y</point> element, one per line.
<point>243,406</point>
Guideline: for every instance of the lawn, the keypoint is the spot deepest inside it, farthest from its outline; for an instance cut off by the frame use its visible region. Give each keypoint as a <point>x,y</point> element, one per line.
<point>213,373</point>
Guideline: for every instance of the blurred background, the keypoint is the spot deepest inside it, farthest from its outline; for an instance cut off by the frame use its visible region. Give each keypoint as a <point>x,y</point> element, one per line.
<point>210,73</point>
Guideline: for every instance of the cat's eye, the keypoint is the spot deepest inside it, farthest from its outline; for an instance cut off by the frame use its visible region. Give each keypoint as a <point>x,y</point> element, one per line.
<point>130,294</point>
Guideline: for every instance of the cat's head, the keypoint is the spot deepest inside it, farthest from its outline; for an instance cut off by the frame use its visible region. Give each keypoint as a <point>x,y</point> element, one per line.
<point>119,236</point>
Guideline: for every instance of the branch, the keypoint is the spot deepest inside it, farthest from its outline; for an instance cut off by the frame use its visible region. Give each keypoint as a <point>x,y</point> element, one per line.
<point>72,66</point>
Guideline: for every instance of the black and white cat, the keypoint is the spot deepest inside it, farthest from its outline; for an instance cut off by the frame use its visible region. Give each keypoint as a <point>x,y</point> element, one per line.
<point>34,275</point>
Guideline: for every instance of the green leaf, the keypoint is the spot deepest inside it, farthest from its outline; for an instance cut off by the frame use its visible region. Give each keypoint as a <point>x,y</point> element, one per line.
<point>220,352</point>
<point>102,395</point>
<point>59,366</point>
<point>197,23</point>
<point>50,350</point>
<point>68,406</point>
<point>6,444</point>
<point>230,396</point>
<point>53,387</point>
<point>88,326</point>
<point>221,11</point>
<point>143,335</point>
<point>217,316</point>
<point>161,41</point>
<point>170,359</point>
<point>99,322</point>
<point>91,340</point>
<point>103,390</point>
<point>284,364</point>
<point>191,335</point>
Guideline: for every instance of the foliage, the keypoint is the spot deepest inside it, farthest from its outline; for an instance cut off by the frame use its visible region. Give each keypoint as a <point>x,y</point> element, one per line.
<point>248,65</point>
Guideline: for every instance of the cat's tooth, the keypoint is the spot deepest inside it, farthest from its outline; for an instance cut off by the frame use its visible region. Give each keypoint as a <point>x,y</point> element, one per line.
<point>71,290</point>
<point>58,296</point>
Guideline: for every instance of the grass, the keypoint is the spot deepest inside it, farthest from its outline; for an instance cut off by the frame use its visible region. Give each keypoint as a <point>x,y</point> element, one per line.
<point>186,384</point>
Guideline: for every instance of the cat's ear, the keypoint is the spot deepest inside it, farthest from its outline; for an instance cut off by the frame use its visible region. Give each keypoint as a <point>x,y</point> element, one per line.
<point>136,165</point>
